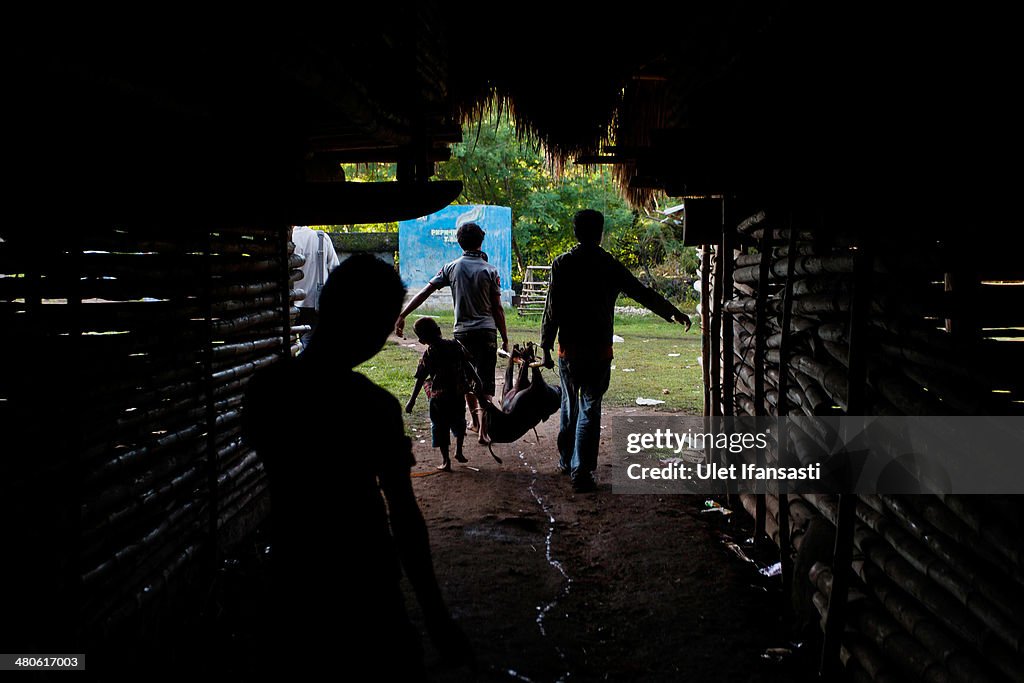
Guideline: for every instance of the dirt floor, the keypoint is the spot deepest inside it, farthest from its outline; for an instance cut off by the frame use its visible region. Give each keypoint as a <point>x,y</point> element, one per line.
<point>550,585</point>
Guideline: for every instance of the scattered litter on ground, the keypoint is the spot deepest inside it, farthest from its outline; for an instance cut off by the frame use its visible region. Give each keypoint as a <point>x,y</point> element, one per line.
<point>666,392</point>
<point>613,367</point>
<point>629,369</point>
<point>648,401</point>
<point>423,440</point>
<point>738,551</point>
<point>674,355</point>
<point>632,310</point>
<point>776,654</point>
<point>470,467</point>
<point>616,339</point>
<point>713,506</point>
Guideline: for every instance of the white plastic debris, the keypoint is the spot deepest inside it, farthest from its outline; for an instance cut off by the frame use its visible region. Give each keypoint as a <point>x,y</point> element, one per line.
<point>629,369</point>
<point>617,339</point>
<point>648,401</point>
<point>674,355</point>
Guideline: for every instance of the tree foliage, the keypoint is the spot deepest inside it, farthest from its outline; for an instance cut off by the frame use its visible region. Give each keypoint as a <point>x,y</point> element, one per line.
<point>498,166</point>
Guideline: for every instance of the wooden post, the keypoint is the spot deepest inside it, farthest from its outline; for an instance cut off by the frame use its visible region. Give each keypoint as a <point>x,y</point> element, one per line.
<point>761,320</point>
<point>785,552</point>
<point>210,402</point>
<point>859,309</point>
<point>716,333</point>
<point>285,236</point>
<point>835,618</point>
<point>75,597</point>
<point>728,361</point>
<point>705,323</point>
<point>760,338</point>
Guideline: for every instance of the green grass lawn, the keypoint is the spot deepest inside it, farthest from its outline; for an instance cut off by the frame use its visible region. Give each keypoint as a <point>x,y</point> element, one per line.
<point>645,364</point>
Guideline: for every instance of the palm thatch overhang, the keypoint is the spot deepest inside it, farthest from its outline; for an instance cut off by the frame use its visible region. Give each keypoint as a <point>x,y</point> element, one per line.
<point>779,99</point>
<point>738,97</point>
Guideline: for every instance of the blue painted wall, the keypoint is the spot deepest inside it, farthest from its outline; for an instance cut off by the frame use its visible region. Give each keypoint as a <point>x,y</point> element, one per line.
<point>425,244</point>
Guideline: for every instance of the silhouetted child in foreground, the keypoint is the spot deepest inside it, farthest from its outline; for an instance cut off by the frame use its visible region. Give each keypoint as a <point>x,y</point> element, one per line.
<point>345,522</point>
<point>446,370</point>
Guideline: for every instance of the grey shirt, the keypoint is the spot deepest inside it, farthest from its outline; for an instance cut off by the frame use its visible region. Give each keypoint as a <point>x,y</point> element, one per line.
<point>475,285</point>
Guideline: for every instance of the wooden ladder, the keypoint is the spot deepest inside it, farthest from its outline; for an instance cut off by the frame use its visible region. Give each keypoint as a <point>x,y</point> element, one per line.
<point>535,290</point>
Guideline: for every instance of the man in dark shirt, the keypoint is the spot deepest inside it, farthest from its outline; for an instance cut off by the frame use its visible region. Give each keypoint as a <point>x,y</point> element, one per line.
<point>580,308</point>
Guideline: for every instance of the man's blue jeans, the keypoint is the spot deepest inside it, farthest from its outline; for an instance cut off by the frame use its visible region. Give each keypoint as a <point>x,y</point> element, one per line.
<point>579,435</point>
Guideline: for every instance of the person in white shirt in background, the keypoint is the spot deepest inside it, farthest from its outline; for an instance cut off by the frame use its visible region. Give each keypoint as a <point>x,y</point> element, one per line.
<point>321,259</point>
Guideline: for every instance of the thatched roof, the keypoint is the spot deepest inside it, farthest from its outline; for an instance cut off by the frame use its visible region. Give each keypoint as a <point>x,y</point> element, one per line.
<point>712,97</point>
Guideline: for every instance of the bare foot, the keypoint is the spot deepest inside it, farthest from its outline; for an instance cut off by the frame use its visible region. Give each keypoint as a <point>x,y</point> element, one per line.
<point>460,457</point>
<point>484,440</point>
<point>475,428</point>
<point>445,467</point>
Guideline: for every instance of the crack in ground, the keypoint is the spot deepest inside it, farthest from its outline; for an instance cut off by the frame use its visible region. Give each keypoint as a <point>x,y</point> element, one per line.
<point>543,610</point>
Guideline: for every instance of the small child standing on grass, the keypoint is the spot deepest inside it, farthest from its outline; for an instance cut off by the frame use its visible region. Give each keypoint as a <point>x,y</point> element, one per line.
<point>446,370</point>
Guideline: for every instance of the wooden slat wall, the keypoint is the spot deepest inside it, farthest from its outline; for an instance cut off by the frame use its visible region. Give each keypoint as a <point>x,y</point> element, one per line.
<point>126,355</point>
<point>936,583</point>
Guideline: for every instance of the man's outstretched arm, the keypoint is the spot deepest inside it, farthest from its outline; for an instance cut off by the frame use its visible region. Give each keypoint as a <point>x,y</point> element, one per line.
<point>413,305</point>
<point>650,299</point>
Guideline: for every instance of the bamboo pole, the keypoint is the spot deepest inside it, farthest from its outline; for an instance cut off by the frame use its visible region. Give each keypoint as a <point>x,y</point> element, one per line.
<point>909,656</point>
<point>1001,594</point>
<point>953,615</point>
<point>836,617</point>
<point>948,523</point>
<point>993,531</point>
<point>705,324</point>
<point>728,255</point>
<point>782,236</point>
<point>717,299</point>
<point>803,306</point>
<point>925,562</point>
<point>808,286</point>
<point>760,404</point>
<point>830,379</point>
<point>962,663</point>
<point>802,265</point>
